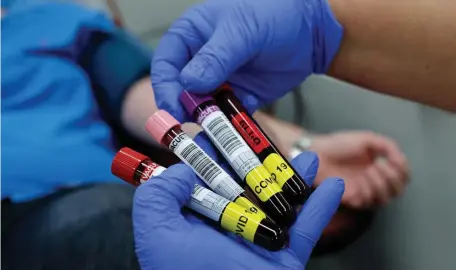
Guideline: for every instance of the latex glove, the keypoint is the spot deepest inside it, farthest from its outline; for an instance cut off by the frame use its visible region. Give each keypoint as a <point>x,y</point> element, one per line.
<point>263,48</point>
<point>168,239</point>
<point>374,168</point>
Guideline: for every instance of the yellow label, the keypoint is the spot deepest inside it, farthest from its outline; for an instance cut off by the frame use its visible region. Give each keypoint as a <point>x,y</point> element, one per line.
<point>262,184</point>
<point>280,170</point>
<point>247,204</point>
<point>240,221</point>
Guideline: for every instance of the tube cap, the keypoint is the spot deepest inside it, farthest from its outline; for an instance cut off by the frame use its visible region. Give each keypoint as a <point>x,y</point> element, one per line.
<point>125,163</point>
<point>225,86</point>
<point>192,101</point>
<point>160,123</point>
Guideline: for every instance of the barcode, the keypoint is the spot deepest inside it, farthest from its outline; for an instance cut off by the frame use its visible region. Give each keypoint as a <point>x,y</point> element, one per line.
<point>224,135</point>
<point>201,163</point>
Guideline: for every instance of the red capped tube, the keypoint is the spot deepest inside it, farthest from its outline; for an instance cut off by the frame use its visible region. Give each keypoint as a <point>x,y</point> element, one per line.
<point>294,187</point>
<point>136,168</point>
<point>133,167</point>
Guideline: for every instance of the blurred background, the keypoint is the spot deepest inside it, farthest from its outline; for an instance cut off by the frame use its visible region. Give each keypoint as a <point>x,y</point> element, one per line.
<point>417,231</point>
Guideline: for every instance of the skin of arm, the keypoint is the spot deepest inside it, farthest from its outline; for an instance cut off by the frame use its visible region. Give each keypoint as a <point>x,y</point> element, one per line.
<point>138,106</point>
<point>401,48</point>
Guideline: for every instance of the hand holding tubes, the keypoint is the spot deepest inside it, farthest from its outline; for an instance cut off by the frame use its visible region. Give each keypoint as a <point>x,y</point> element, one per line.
<point>202,159</point>
<point>162,231</point>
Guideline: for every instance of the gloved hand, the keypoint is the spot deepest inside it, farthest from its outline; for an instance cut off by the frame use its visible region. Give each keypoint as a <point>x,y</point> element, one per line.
<point>167,238</point>
<point>263,48</point>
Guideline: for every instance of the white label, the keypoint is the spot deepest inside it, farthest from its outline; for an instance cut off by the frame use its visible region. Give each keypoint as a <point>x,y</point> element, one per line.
<point>230,143</point>
<point>205,167</point>
<point>294,153</point>
<point>207,203</point>
<point>158,171</point>
<point>151,171</point>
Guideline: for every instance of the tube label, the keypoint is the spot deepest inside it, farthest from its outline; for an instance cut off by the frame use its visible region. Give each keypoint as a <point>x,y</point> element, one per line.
<point>250,132</point>
<point>205,167</point>
<point>260,181</point>
<point>237,219</point>
<point>152,169</point>
<point>207,203</point>
<point>279,168</point>
<point>247,204</point>
<point>230,143</point>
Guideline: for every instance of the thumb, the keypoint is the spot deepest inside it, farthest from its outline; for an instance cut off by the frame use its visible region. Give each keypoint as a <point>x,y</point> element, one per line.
<point>314,217</point>
<point>231,45</point>
<point>306,165</point>
<point>158,202</point>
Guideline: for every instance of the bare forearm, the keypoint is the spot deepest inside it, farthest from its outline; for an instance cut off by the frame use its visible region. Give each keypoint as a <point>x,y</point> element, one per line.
<point>402,48</point>
<point>138,106</point>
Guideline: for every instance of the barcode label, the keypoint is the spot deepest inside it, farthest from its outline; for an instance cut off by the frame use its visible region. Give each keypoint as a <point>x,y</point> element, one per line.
<point>246,162</point>
<point>207,203</point>
<point>223,135</point>
<point>201,163</point>
<point>206,168</point>
<point>230,143</point>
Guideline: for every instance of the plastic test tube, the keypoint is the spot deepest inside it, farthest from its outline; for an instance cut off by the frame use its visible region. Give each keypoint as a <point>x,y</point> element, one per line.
<point>294,187</point>
<point>241,158</point>
<point>167,131</point>
<point>136,168</point>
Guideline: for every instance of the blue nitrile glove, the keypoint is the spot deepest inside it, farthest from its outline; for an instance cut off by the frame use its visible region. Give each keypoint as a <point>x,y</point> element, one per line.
<point>264,48</point>
<point>167,238</point>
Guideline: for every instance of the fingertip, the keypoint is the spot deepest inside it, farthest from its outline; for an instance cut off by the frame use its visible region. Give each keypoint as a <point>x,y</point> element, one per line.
<point>166,93</point>
<point>250,102</point>
<point>335,184</point>
<point>307,164</point>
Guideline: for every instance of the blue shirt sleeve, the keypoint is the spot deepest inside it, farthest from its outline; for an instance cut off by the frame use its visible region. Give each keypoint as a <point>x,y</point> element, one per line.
<point>114,62</point>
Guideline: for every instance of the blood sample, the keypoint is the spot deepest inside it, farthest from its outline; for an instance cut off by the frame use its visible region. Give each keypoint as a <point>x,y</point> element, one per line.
<point>167,130</point>
<point>136,168</point>
<point>294,187</point>
<point>241,158</point>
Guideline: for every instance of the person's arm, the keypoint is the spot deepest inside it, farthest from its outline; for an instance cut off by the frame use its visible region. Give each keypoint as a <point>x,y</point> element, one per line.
<point>402,48</point>
<point>119,66</point>
<point>138,105</point>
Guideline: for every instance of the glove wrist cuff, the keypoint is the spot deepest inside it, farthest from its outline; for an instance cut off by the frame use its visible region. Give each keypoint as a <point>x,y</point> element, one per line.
<point>327,36</point>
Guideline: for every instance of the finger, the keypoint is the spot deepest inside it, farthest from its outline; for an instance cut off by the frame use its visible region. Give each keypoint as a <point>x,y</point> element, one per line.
<point>390,150</point>
<point>367,191</point>
<point>394,177</point>
<point>230,46</point>
<point>315,216</point>
<point>250,101</point>
<point>174,50</point>
<point>356,193</point>
<point>165,72</point>
<point>379,185</point>
<point>158,203</point>
<point>306,165</point>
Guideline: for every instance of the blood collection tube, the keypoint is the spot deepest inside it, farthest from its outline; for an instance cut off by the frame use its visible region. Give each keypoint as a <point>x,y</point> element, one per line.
<point>136,168</point>
<point>167,130</point>
<point>294,187</point>
<point>241,158</point>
